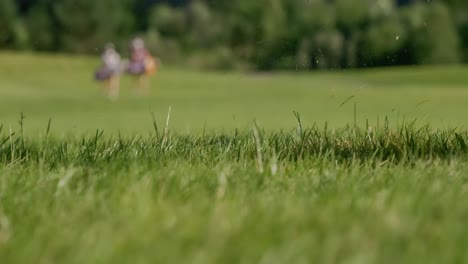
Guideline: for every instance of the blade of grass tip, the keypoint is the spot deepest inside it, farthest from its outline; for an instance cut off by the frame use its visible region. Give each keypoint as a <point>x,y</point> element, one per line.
<point>345,101</point>
<point>155,126</point>
<point>4,141</point>
<point>259,149</point>
<point>166,129</point>
<point>422,102</point>
<point>21,123</point>
<point>355,115</point>
<point>12,146</point>
<point>44,153</point>
<point>48,127</point>
<point>120,139</point>
<point>403,123</point>
<point>299,123</point>
<point>96,138</point>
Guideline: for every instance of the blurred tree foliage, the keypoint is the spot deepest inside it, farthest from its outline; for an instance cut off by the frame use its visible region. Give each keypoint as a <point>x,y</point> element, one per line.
<point>84,25</point>
<point>12,30</point>
<point>260,34</point>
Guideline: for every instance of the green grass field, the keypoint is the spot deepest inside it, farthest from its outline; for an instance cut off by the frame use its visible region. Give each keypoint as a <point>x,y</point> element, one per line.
<point>235,177</point>
<point>62,88</point>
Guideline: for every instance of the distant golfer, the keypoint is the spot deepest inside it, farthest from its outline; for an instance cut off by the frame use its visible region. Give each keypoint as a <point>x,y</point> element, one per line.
<point>142,64</point>
<point>109,72</point>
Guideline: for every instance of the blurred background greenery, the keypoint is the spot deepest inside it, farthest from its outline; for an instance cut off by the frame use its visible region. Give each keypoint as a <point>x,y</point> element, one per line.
<point>248,34</point>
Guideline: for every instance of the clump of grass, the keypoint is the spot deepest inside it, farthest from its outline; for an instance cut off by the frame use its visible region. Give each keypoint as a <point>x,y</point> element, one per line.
<point>405,144</point>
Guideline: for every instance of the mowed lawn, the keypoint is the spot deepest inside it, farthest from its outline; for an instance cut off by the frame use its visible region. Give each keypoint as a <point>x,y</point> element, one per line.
<point>236,177</point>
<point>62,88</point>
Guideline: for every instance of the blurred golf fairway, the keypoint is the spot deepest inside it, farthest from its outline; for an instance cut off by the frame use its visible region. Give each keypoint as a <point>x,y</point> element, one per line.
<point>62,88</point>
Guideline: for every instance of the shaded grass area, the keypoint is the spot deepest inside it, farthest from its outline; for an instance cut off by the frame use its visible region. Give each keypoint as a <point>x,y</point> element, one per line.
<point>255,196</point>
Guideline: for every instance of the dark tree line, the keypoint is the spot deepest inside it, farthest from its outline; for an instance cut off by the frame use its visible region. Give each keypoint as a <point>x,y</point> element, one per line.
<point>260,34</point>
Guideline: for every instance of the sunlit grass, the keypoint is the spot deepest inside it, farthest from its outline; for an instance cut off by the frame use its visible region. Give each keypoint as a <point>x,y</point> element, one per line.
<point>303,195</point>
<point>62,88</point>
<point>246,168</point>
